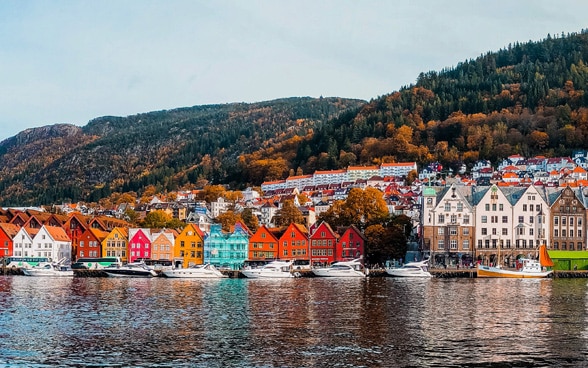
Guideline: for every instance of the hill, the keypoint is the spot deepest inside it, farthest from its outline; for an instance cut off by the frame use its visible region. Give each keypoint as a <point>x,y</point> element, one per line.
<point>167,149</point>
<point>528,98</point>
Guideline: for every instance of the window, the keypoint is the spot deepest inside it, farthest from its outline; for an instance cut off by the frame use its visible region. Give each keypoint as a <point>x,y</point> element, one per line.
<point>494,219</point>
<point>465,244</point>
<point>441,231</point>
<point>564,220</point>
<point>524,207</point>
<point>453,219</point>
<point>466,219</point>
<point>441,244</point>
<point>556,220</point>
<point>484,231</point>
<point>459,207</point>
<point>453,244</point>
<point>531,219</point>
<point>493,206</point>
<point>452,231</point>
<point>441,218</point>
<point>504,231</point>
<point>521,219</point>
<point>487,206</point>
<point>466,231</point>
<point>500,207</point>
<point>505,219</point>
<point>484,219</point>
<point>447,207</point>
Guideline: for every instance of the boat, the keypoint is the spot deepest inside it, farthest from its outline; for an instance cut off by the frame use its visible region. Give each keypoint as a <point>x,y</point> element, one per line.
<point>49,270</point>
<point>530,268</point>
<point>411,269</point>
<point>130,270</point>
<point>205,271</point>
<point>274,269</point>
<point>341,269</point>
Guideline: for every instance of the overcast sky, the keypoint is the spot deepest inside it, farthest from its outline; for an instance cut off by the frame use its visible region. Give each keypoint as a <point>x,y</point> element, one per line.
<point>72,61</point>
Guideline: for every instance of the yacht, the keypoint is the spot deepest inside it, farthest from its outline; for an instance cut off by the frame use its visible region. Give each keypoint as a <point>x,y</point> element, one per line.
<point>130,270</point>
<point>49,270</point>
<point>205,271</point>
<point>411,269</point>
<point>341,269</point>
<point>275,269</point>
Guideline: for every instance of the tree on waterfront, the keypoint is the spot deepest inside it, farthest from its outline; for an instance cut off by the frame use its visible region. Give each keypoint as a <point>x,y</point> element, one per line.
<point>387,240</point>
<point>288,214</point>
<point>362,208</point>
<point>249,219</point>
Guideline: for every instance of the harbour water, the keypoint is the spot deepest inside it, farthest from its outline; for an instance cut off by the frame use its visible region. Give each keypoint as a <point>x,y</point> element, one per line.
<point>304,322</point>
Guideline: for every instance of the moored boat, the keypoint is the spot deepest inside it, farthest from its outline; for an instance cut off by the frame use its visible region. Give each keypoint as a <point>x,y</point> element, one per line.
<point>530,268</point>
<point>205,271</point>
<point>341,269</point>
<point>275,269</point>
<point>49,270</point>
<point>130,270</point>
<point>411,269</point>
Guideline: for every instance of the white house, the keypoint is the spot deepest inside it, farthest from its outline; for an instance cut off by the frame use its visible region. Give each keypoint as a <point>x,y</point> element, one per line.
<point>52,242</point>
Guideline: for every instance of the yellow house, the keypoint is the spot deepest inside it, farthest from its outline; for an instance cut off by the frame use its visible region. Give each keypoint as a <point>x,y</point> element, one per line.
<point>189,247</point>
<point>162,246</point>
<point>116,243</point>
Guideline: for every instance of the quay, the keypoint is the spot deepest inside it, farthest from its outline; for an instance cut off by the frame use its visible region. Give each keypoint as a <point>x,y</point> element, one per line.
<point>379,272</point>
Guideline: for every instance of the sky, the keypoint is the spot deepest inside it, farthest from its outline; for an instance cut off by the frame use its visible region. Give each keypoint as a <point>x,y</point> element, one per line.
<point>71,61</point>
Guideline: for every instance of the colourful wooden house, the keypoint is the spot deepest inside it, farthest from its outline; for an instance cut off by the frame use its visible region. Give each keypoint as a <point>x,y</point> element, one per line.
<point>223,249</point>
<point>75,226</point>
<point>51,242</point>
<point>139,244</point>
<point>7,234</point>
<point>293,244</point>
<point>263,245</point>
<point>322,245</point>
<point>351,244</point>
<point>162,245</point>
<point>116,243</point>
<point>189,247</point>
<point>90,243</point>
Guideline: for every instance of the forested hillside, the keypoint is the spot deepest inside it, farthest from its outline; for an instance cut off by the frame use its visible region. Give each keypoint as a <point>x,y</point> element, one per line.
<point>528,98</point>
<point>167,149</point>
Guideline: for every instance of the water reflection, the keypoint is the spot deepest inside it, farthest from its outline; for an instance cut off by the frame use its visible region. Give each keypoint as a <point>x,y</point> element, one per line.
<point>373,322</point>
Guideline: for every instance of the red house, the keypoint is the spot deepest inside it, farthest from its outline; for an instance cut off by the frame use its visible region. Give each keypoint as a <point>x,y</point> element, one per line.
<point>139,244</point>
<point>293,244</point>
<point>7,234</point>
<point>90,243</point>
<point>322,245</point>
<point>351,244</point>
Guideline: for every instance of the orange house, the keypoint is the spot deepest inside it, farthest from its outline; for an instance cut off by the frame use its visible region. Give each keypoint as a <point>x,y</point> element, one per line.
<point>91,243</point>
<point>263,245</point>
<point>293,244</point>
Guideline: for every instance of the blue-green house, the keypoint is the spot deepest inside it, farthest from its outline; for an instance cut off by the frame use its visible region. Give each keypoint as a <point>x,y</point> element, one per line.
<point>223,249</point>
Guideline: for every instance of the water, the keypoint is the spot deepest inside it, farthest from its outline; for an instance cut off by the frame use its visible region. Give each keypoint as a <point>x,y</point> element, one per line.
<point>306,322</point>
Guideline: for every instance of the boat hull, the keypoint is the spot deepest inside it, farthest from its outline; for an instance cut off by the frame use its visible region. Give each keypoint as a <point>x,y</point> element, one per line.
<point>252,274</point>
<point>46,273</point>
<point>325,272</point>
<point>130,273</point>
<point>486,271</point>
<point>187,274</point>
<point>402,273</point>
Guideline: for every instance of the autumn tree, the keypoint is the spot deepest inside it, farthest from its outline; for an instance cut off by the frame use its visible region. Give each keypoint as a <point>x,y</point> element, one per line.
<point>361,208</point>
<point>211,193</point>
<point>249,219</point>
<point>387,240</point>
<point>288,214</point>
<point>227,219</point>
<point>156,219</point>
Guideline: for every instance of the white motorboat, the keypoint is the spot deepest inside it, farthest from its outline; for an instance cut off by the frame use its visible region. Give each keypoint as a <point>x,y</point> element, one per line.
<point>341,269</point>
<point>206,271</point>
<point>130,270</point>
<point>49,270</point>
<point>411,269</point>
<point>275,269</point>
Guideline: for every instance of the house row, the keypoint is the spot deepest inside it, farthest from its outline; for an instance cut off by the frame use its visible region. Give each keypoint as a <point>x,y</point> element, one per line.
<point>491,224</point>
<point>351,174</point>
<point>190,246</point>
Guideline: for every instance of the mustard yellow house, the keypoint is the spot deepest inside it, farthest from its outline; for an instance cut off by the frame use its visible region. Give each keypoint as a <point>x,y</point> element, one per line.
<point>189,247</point>
<point>116,243</point>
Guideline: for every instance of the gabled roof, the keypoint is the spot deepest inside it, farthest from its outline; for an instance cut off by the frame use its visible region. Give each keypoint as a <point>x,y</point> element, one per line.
<point>57,233</point>
<point>9,229</point>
